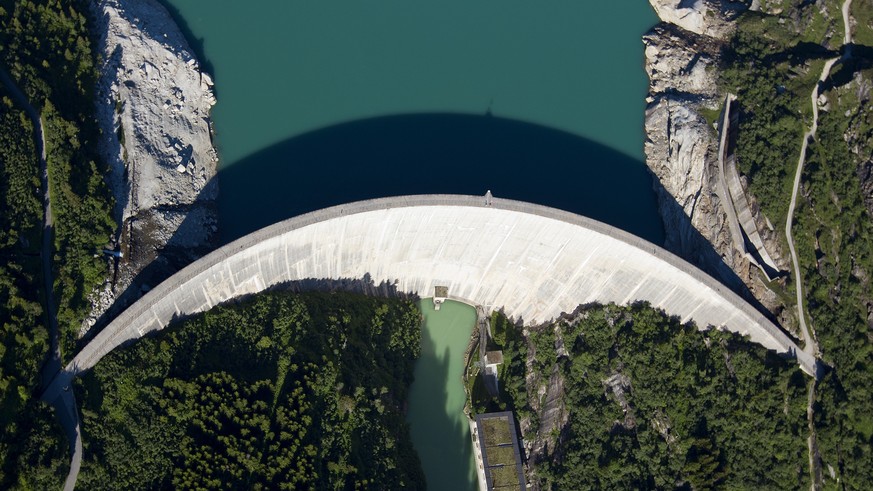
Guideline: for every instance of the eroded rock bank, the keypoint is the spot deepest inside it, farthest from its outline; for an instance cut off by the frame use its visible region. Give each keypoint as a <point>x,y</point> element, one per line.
<point>153,107</point>
<point>682,141</point>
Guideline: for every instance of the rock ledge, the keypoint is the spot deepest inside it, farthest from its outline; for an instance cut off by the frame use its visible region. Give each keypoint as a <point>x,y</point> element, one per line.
<point>684,101</point>
<point>153,107</point>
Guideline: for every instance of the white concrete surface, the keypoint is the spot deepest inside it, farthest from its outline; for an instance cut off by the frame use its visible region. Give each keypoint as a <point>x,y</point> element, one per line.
<point>477,454</point>
<point>733,198</point>
<point>533,261</point>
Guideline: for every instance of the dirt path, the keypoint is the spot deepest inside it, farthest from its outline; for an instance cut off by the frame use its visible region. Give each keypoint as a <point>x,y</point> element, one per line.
<point>808,340</point>
<point>810,345</point>
<point>847,36</point>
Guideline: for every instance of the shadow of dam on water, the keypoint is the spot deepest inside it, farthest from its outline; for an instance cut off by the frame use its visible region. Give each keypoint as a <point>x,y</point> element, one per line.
<point>437,153</point>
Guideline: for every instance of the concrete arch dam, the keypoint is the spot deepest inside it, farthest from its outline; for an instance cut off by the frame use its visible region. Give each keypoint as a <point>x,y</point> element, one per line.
<point>535,262</point>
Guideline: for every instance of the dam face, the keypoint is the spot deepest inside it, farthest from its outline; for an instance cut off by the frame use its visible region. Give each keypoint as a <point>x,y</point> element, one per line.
<point>532,261</point>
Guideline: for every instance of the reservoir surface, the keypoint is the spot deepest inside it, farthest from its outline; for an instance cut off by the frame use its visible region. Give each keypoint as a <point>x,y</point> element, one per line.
<point>436,417</point>
<point>325,102</point>
<point>321,103</point>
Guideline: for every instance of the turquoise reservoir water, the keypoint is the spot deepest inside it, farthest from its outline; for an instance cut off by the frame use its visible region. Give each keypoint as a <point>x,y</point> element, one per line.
<point>285,67</point>
<point>436,400</point>
<point>303,88</point>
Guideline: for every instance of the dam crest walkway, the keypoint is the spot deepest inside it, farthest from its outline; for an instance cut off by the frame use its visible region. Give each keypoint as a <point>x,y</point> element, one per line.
<point>533,261</point>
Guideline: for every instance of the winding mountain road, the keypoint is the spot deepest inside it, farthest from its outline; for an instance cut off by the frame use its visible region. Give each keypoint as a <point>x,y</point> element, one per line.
<point>809,342</point>
<point>65,405</point>
<point>809,345</point>
<point>808,337</point>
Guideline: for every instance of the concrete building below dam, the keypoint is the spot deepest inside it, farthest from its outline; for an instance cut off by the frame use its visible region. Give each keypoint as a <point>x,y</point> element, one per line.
<point>532,261</point>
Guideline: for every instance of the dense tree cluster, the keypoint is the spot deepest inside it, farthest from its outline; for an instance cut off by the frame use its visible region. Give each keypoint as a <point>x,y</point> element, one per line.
<point>45,45</point>
<point>283,391</point>
<point>31,454</point>
<point>653,403</point>
<point>23,339</point>
<point>773,63</point>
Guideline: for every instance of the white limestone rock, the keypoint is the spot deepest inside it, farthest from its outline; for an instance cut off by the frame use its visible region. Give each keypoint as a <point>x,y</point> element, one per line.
<point>153,106</point>
<point>680,61</point>
<point>682,55</point>
<point>704,17</point>
<point>680,150</point>
<point>680,145</point>
<point>149,66</point>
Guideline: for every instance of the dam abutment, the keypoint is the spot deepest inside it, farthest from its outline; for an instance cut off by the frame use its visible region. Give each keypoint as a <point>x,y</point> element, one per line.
<point>533,261</point>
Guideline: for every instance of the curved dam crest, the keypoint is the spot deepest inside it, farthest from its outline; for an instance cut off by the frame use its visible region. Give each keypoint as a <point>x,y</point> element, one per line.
<point>533,261</point>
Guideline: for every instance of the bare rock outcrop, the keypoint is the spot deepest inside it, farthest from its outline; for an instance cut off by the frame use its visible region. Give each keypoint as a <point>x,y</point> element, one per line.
<point>682,56</point>
<point>859,143</point>
<point>680,143</point>
<point>712,18</point>
<point>153,106</point>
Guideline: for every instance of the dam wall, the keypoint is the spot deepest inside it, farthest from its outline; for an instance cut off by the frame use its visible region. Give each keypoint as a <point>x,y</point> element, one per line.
<point>741,222</point>
<point>533,261</point>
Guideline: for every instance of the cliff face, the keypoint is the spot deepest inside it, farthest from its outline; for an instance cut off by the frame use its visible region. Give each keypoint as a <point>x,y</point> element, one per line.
<point>680,145</point>
<point>682,56</point>
<point>153,106</point>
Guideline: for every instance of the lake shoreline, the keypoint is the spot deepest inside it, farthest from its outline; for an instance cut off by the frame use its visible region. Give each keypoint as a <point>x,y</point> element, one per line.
<point>153,104</point>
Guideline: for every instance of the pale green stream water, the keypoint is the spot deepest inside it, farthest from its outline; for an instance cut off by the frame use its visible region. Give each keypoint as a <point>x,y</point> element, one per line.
<point>439,427</point>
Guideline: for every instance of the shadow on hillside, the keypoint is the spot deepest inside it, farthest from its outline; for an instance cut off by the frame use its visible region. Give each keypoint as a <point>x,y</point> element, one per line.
<point>800,53</point>
<point>860,59</point>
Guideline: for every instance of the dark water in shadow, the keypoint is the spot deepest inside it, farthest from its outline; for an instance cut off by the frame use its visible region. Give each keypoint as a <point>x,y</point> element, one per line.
<point>437,153</point>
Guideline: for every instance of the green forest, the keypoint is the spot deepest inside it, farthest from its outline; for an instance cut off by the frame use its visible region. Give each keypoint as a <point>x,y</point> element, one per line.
<point>652,403</point>
<point>281,391</point>
<point>32,452</point>
<point>47,48</point>
<point>773,63</point>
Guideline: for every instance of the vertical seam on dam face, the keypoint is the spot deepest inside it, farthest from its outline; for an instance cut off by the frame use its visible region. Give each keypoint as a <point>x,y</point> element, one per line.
<point>533,261</point>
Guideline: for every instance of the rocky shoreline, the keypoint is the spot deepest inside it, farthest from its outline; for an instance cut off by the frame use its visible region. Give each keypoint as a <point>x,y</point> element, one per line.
<point>153,107</point>
<point>684,101</point>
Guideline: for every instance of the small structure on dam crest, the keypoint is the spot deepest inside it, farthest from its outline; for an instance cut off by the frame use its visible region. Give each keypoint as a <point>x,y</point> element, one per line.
<point>532,261</point>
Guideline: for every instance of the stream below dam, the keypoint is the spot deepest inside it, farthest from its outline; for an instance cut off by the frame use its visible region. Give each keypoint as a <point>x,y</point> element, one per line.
<point>436,417</point>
